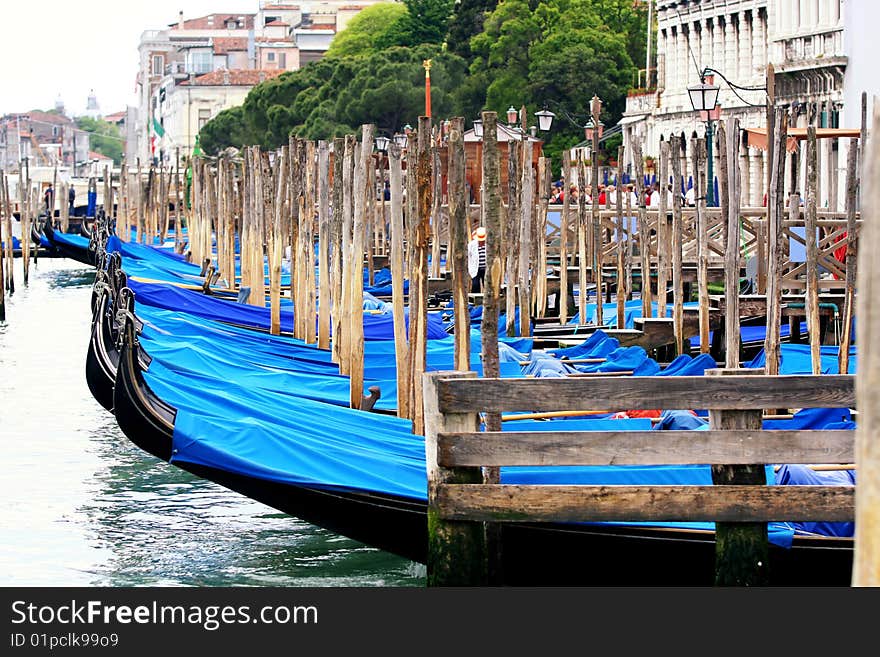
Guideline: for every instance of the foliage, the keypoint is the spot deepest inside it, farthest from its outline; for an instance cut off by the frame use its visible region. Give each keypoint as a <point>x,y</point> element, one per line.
<point>467,22</point>
<point>104,137</point>
<point>485,55</point>
<point>366,30</point>
<point>424,22</point>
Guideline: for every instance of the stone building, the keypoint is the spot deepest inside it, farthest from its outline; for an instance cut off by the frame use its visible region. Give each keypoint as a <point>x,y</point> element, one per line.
<point>197,67</point>
<point>810,45</point>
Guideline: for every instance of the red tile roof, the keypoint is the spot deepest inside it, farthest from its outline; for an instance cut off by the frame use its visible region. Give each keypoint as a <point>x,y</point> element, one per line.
<point>223,45</point>
<point>218,22</point>
<point>48,117</point>
<point>115,117</point>
<point>237,78</point>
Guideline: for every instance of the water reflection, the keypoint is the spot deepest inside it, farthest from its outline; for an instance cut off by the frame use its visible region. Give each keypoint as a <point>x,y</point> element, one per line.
<point>84,506</point>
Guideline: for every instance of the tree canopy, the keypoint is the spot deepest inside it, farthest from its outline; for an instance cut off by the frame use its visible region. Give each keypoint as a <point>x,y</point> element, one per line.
<point>104,137</point>
<point>485,55</point>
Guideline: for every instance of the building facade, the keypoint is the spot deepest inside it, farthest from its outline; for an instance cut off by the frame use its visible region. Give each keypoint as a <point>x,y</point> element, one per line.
<point>196,68</point>
<point>809,45</point>
<point>42,139</point>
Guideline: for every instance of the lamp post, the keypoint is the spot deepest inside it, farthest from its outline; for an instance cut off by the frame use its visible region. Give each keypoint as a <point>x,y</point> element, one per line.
<point>704,98</point>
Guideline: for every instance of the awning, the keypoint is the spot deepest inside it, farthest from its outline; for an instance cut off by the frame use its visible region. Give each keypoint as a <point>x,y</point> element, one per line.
<point>627,120</point>
<point>757,137</point>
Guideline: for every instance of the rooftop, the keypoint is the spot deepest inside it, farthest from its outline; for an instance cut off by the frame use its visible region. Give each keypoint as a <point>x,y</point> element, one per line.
<point>236,78</point>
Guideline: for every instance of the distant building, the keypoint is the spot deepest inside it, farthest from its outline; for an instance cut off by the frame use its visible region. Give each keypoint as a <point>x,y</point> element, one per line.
<point>196,68</point>
<point>92,109</point>
<point>812,45</point>
<point>43,139</point>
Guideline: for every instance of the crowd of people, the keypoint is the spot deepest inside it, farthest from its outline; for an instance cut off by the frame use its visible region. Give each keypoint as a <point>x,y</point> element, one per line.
<point>608,195</point>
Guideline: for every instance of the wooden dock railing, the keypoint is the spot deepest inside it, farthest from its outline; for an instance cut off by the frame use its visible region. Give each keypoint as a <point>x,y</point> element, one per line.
<point>735,445</point>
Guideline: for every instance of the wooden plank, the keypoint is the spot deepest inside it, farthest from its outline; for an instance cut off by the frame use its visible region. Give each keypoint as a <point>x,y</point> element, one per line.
<point>715,446</point>
<point>555,503</point>
<point>775,211</point>
<point>646,392</point>
<point>324,245</point>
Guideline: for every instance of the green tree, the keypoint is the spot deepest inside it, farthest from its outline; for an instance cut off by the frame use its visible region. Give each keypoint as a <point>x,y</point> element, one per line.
<point>366,30</point>
<point>104,137</point>
<point>466,22</point>
<point>228,128</point>
<point>424,22</point>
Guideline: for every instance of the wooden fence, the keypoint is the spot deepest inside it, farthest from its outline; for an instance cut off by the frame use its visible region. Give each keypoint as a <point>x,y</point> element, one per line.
<point>735,445</point>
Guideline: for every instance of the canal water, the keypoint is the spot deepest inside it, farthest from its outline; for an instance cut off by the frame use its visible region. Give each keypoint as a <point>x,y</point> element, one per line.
<point>80,505</point>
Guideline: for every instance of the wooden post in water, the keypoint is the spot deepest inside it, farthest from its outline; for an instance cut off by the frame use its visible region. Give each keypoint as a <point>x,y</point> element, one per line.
<point>677,288</point>
<point>418,297</point>
<point>276,243</point>
<point>812,268</point>
<point>699,153</point>
<point>336,236</point>
<point>563,238</point>
<point>324,245</point>
<point>540,237</point>
<point>775,214</point>
<point>644,233</point>
<point>582,251</point>
<point>347,219</point>
<point>459,236</point>
<point>364,196</point>
<point>4,239</point>
<point>511,231</point>
<point>527,206</point>
<point>741,548</point>
<point>398,275</point>
<point>492,202</point>
<point>436,213</point>
<point>596,259</point>
<point>491,174</point>
<point>621,236</point>
<point>732,255</point>
<point>852,184</point>
<point>866,559</point>
<point>9,280</point>
<point>662,230</point>
<point>27,202</point>
<point>457,554</point>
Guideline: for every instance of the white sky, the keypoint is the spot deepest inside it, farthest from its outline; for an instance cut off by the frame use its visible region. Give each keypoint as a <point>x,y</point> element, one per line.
<point>69,47</point>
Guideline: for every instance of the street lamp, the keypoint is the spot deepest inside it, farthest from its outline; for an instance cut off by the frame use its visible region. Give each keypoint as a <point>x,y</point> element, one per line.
<point>545,119</point>
<point>382,143</point>
<point>512,115</point>
<point>478,128</point>
<point>704,98</point>
<point>400,139</point>
<point>590,127</point>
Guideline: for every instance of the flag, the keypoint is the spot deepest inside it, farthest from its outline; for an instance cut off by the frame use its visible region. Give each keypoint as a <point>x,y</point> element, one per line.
<point>158,133</point>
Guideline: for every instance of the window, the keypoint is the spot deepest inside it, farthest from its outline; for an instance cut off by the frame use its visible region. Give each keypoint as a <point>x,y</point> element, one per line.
<point>158,64</point>
<point>204,117</point>
<point>270,56</point>
<point>200,62</point>
<point>282,60</point>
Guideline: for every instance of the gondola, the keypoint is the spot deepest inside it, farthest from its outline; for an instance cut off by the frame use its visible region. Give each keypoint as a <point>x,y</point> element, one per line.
<point>73,246</point>
<point>533,554</point>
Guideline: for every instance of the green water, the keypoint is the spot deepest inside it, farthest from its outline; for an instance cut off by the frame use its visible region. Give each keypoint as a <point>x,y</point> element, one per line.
<point>80,505</point>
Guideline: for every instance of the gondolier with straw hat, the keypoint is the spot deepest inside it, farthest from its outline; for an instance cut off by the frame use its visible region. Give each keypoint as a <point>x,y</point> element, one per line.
<point>477,259</point>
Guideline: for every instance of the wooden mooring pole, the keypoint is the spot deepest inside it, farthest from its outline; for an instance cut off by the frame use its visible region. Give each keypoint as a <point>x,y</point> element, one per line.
<point>866,560</point>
